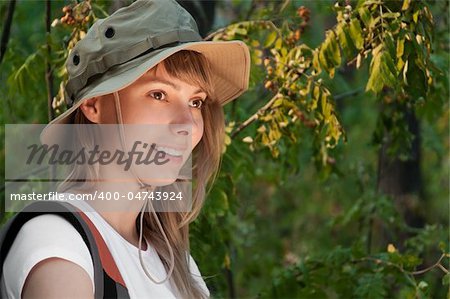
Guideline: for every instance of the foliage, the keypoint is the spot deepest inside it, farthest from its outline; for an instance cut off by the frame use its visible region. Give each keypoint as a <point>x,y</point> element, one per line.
<point>273,225</point>
<point>397,40</point>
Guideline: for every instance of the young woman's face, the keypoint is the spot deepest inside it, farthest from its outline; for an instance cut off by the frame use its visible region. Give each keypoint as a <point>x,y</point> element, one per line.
<point>171,108</point>
<point>157,98</point>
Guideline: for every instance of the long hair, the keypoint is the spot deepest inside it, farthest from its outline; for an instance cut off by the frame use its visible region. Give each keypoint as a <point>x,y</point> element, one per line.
<point>193,68</point>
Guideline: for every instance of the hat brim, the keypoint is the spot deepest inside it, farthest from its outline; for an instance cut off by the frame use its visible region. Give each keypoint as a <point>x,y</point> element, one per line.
<point>229,60</point>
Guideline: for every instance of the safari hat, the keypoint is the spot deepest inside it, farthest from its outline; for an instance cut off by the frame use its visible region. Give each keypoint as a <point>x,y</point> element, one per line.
<point>119,49</point>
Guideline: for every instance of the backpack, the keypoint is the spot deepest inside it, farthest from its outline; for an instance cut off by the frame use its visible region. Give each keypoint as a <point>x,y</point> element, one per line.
<point>107,278</point>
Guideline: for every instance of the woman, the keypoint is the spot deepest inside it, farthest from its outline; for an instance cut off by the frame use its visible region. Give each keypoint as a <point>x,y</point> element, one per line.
<point>143,65</point>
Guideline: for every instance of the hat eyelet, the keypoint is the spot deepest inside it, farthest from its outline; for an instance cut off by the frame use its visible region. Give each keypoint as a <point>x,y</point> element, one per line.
<point>110,32</point>
<point>76,59</point>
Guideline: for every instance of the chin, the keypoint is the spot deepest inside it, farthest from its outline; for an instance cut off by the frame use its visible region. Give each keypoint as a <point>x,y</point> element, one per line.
<point>159,182</point>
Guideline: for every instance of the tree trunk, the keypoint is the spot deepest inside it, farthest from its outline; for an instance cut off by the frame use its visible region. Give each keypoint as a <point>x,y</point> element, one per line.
<point>7,29</point>
<point>401,179</point>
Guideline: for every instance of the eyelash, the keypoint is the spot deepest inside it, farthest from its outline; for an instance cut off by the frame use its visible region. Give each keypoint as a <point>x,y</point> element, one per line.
<point>164,95</point>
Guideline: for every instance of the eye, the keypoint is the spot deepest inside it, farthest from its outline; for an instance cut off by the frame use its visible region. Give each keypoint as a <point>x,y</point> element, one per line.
<point>157,95</point>
<point>196,103</point>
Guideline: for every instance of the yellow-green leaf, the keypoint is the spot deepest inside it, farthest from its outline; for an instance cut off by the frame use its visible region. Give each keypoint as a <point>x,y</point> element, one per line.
<point>323,60</point>
<point>400,47</point>
<point>270,39</point>
<point>277,103</point>
<point>406,4</point>
<point>344,40</point>
<point>356,34</point>
<point>334,51</point>
<point>241,31</point>
<point>416,16</point>
<point>365,15</point>
<point>391,15</point>
<point>278,43</point>
<point>316,62</point>
<point>375,82</point>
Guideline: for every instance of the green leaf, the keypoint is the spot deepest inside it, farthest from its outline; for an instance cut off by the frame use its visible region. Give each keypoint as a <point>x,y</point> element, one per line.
<point>389,71</point>
<point>375,82</point>
<point>330,54</point>
<point>345,40</point>
<point>382,70</point>
<point>334,52</point>
<point>391,15</point>
<point>371,286</point>
<point>389,45</point>
<point>446,279</point>
<point>365,15</point>
<point>356,34</point>
<point>374,22</point>
<point>417,79</point>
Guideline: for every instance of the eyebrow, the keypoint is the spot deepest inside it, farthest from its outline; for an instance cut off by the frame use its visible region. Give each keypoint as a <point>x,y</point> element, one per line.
<point>174,86</point>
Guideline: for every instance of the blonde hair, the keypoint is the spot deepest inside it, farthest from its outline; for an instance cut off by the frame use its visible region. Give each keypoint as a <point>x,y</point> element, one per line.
<point>193,68</point>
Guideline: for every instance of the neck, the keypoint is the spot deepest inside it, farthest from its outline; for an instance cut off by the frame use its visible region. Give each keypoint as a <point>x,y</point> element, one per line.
<point>125,224</point>
<point>122,213</point>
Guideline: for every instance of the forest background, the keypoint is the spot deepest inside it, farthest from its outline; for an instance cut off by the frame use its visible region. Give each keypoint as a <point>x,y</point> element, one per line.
<point>335,178</point>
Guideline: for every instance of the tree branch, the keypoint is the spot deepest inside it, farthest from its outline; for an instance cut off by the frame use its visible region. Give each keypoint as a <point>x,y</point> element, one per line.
<point>348,94</point>
<point>7,29</point>
<point>265,22</point>
<point>255,116</point>
<point>437,264</point>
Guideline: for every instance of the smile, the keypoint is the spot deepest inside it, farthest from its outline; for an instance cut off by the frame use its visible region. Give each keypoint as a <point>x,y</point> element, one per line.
<point>170,151</point>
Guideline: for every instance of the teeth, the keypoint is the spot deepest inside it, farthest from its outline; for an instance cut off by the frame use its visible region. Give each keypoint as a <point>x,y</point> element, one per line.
<point>170,151</point>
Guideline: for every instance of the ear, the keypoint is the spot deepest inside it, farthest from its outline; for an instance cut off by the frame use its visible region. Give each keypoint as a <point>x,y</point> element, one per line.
<point>91,109</point>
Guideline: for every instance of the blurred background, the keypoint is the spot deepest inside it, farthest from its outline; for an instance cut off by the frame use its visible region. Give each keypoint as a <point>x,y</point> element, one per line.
<point>335,176</point>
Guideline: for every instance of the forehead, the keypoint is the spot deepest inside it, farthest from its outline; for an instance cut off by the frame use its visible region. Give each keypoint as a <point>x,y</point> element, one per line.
<point>159,74</point>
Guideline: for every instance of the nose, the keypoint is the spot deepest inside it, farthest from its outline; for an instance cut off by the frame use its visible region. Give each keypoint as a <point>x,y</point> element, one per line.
<point>182,121</point>
<point>181,129</point>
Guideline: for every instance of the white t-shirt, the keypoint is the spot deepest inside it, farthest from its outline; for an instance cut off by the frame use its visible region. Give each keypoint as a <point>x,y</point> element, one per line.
<point>51,235</point>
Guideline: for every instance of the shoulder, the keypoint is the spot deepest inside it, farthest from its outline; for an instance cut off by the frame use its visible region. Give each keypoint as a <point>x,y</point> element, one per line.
<point>41,238</point>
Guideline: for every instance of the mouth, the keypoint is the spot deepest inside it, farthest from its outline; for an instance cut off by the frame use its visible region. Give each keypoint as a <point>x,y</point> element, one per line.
<point>170,151</point>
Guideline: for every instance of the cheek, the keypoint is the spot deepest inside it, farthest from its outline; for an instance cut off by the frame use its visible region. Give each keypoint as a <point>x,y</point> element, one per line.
<point>107,110</point>
<point>137,111</point>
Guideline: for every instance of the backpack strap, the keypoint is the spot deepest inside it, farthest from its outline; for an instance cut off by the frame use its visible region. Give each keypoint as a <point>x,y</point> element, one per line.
<point>105,255</point>
<point>106,286</point>
<point>114,285</point>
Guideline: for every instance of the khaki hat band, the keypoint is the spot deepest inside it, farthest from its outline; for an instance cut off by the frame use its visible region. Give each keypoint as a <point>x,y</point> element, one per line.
<point>111,59</point>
